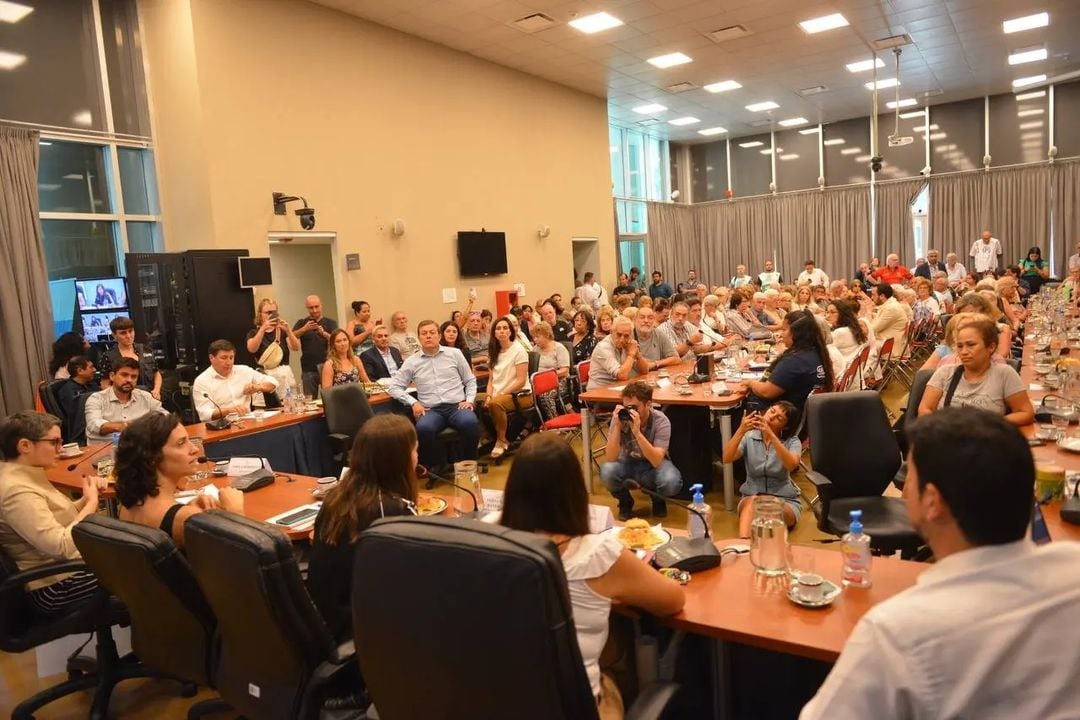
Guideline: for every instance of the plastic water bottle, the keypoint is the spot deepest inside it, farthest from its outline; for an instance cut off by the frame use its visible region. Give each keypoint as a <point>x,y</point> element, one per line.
<point>106,463</point>
<point>700,528</point>
<point>855,546</point>
<point>288,405</point>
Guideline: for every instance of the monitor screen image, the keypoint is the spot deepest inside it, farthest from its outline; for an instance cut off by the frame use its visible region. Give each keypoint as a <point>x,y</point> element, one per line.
<point>96,325</point>
<point>254,271</point>
<point>101,293</point>
<point>481,253</point>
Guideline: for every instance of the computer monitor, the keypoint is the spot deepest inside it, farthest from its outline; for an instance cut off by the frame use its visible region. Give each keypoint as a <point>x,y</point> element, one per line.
<point>255,271</point>
<point>95,325</point>
<point>102,293</point>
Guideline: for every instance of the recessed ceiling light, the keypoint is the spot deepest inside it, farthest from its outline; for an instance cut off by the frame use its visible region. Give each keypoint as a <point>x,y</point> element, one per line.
<point>73,176</point>
<point>44,143</point>
<point>752,144</point>
<point>722,86</point>
<point>669,60</point>
<point>13,12</point>
<point>1030,80</point>
<point>913,114</point>
<point>688,120</point>
<point>1030,113</point>
<point>904,102</point>
<point>1026,23</point>
<point>595,23</point>
<point>1025,56</point>
<point>1032,95</point>
<point>649,109</point>
<point>792,122</point>
<point>762,106</point>
<point>1031,136</point>
<point>862,158</point>
<point>810,131</point>
<point>712,131</point>
<point>938,136</point>
<point>82,118</point>
<point>821,24</point>
<point>49,187</point>
<point>10,60</point>
<point>864,65</point>
<point>882,84</point>
<point>834,141</point>
<point>1031,125</point>
<point>850,151</point>
<point>789,156</point>
<point>766,151</point>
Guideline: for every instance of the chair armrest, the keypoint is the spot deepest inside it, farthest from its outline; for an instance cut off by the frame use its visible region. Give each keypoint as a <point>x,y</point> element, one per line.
<point>900,476</point>
<point>19,580</point>
<point>824,488</point>
<point>652,701</point>
<point>339,442</point>
<point>345,652</point>
<point>315,692</point>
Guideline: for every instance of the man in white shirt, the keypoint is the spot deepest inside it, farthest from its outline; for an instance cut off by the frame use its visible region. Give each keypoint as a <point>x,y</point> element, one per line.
<point>591,292</point>
<point>225,387</point>
<point>989,630</point>
<point>985,253</point>
<point>770,278</point>
<point>954,270</point>
<point>114,408</point>
<point>889,319</point>
<point>740,278</point>
<point>942,292</point>
<point>813,275</point>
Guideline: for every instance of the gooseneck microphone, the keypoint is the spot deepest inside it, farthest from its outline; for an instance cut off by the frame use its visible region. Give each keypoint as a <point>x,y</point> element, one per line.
<point>72,466</point>
<point>684,553</point>
<point>635,485</point>
<point>219,424</point>
<point>423,472</point>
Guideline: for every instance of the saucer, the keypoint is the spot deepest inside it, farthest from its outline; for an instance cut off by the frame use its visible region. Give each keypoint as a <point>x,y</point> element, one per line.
<point>68,456</point>
<point>828,598</point>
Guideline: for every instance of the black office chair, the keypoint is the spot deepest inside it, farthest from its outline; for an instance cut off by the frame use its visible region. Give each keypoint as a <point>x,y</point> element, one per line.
<point>277,657</point>
<point>499,643</point>
<point>911,414</point>
<point>172,628</point>
<point>47,392</point>
<point>22,628</point>
<point>347,409</point>
<point>855,457</point>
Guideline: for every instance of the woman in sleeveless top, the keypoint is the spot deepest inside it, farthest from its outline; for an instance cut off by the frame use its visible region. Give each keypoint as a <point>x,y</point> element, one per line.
<point>153,460</point>
<point>342,365</point>
<point>545,494</point>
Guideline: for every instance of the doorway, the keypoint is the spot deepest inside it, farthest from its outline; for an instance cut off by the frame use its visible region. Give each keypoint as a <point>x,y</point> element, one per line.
<point>302,267</point>
<point>587,257</point>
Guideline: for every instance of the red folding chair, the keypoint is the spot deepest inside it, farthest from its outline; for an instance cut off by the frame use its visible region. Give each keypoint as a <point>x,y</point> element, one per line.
<point>550,409</point>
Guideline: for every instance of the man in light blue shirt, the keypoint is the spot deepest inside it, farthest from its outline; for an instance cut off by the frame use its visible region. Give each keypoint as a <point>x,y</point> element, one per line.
<point>445,391</point>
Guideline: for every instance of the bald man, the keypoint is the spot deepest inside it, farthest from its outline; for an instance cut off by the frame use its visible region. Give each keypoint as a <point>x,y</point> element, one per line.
<point>314,332</point>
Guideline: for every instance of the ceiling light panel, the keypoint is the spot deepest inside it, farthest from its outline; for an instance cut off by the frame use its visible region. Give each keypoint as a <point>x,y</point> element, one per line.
<point>722,86</point>
<point>834,141</point>
<point>10,60</point>
<point>13,12</point>
<point>904,102</point>
<point>1028,22</point>
<point>882,84</point>
<point>649,109</point>
<point>821,24</point>
<point>762,106</point>
<point>793,122</point>
<point>851,151</point>
<point>1030,80</point>
<point>597,22</point>
<point>752,144</point>
<point>1026,56</point>
<point>1032,95</point>
<point>864,65</point>
<point>688,120</point>
<point>670,60</point>
<point>810,131</point>
<point>708,132</point>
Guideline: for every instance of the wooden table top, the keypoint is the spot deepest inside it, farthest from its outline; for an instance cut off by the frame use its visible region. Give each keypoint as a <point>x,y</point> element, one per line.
<point>669,395</point>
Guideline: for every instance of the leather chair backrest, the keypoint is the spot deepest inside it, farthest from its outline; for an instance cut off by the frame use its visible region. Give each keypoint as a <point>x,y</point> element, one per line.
<point>75,426</point>
<point>464,619</point>
<point>15,610</point>
<point>272,636</point>
<point>915,396</point>
<point>172,627</point>
<point>49,399</point>
<point>534,362</point>
<point>851,442</point>
<point>347,408</point>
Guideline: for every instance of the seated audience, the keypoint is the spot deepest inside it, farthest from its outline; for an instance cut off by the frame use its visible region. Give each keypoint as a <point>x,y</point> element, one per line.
<point>382,360</point>
<point>656,347</point>
<point>545,494</point>
<point>803,366</point>
<point>978,381</point>
<point>893,273</point>
<point>270,343</point>
<point>509,374</point>
<point>154,460</point>
<point>661,308</point>
<point>401,336</point>
<point>553,355</point>
<point>954,270</point>
<point>987,305</point>
<point>485,321</point>
<point>945,352</point>
<point>771,451</point>
<point>36,518</point>
<point>1071,286</point>
<point>804,299</point>
<point>659,288</point>
<point>380,482</point>
<point>889,321</point>
<point>989,629</point>
<point>117,406</point>
<point>519,337</point>
<point>583,338</point>
<point>1011,303</point>
<point>64,348</point>
<point>123,329</point>
<point>762,314</point>
<point>476,340</point>
<point>741,321</point>
<point>551,314</point>
<point>527,320</point>
<point>604,319</point>
<point>686,336</point>
<point>637,450</point>
<point>932,266</point>
<point>342,366</point>
<point>711,340</point>
<point>451,336</point>
<point>712,315</point>
<point>445,393</point>
<point>617,357</point>
<point>942,292</point>
<point>81,372</point>
<point>926,307</point>
<point>224,387</point>
<point>849,335</point>
<point>1034,270</point>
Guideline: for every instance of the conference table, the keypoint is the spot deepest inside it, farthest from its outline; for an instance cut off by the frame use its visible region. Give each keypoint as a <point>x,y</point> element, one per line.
<point>668,395</point>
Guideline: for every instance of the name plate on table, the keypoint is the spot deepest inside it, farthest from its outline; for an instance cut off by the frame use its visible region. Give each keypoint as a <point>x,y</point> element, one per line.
<point>600,517</point>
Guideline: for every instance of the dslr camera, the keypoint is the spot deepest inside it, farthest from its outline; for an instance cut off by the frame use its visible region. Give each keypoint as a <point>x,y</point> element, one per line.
<point>624,415</point>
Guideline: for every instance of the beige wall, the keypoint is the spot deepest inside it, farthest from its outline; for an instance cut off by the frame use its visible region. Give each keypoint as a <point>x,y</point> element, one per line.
<point>370,125</point>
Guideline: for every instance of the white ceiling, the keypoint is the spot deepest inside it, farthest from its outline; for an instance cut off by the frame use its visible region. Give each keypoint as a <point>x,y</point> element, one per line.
<point>959,49</point>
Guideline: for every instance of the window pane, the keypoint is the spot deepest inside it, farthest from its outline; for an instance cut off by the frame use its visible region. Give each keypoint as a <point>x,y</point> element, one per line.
<point>796,160</point>
<point>903,160</point>
<point>751,167</point>
<point>618,181</point>
<point>79,248</point>
<point>1018,128</point>
<point>709,162</point>
<point>847,152</point>
<point>1067,119</point>
<point>58,83</point>
<point>636,150</point>
<point>144,237</point>
<point>657,168</point>
<point>956,143</point>
<point>72,178</point>
<point>123,60</point>
<point>137,180</point>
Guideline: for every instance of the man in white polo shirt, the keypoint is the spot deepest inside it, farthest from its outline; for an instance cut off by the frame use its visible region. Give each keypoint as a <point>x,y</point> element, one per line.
<point>225,387</point>
<point>813,275</point>
<point>985,253</point>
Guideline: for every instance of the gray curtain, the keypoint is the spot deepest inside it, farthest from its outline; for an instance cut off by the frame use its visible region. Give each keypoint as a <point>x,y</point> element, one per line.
<point>1019,212</point>
<point>841,231</point>
<point>25,305</point>
<point>959,211</point>
<point>1066,212</point>
<point>672,243</point>
<point>892,218</point>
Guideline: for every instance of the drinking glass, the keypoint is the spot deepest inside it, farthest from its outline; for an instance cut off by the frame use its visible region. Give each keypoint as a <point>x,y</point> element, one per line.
<point>466,475</point>
<point>1060,418</point>
<point>768,536</point>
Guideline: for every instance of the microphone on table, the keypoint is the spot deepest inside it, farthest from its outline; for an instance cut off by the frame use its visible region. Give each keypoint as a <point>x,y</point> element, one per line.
<point>72,466</point>
<point>219,424</point>
<point>683,553</point>
<point>423,472</point>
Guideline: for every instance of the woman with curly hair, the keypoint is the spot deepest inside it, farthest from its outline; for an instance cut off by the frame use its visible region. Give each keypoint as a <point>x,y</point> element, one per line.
<point>804,366</point>
<point>153,460</point>
<point>67,346</point>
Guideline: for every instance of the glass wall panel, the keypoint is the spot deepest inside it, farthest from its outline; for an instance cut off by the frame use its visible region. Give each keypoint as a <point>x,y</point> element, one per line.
<point>847,152</point>
<point>956,136</point>
<point>796,160</point>
<point>72,178</point>
<point>80,248</point>
<point>903,160</point>
<point>751,165</point>
<point>635,150</point>
<point>615,149</point>
<point>144,237</point>
<point>1019,127</point>
<point>709,170</point>
<point>656,163</point>
<point>137,180</point>
<point>1067,119</point>
<point>54,77</point>
<point>123,60</point>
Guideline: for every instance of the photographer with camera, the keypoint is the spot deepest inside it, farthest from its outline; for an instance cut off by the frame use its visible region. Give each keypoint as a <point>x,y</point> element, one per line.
<point>637,450</point>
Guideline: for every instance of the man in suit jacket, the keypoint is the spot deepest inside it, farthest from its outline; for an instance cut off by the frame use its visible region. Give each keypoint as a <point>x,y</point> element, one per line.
<point>382,360</point>
<point>889,319</point>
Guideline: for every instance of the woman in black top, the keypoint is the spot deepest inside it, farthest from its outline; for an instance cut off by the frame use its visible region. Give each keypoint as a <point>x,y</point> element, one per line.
<point>803,366</point>
<point>583,337</point>
<point>381,482</point>
<point>123,329</point>
<point>450,336</point>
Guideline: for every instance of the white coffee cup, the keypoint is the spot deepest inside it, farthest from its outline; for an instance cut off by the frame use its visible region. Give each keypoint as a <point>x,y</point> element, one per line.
<point>327,482</point>
<point>811,587</point>
<point>69,449</point>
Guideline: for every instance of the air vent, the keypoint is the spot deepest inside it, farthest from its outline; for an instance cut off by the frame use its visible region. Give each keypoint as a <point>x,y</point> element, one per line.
<point>893,41</point>
<point>649,122</point>
<point>728,33</point>
<point>816,90</point>
<point>680,87</point>
<point>534,23</point>
<point>761,123</point>
<point>933,93</point>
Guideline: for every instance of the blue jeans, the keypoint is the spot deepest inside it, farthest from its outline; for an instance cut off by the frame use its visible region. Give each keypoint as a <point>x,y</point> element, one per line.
<point>666,479</point>
<point>437,418</point>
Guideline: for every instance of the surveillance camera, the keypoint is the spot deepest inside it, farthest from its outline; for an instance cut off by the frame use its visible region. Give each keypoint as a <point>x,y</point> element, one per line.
<point>307,218</point>
<point>875,163</point>
<point>925,171</point>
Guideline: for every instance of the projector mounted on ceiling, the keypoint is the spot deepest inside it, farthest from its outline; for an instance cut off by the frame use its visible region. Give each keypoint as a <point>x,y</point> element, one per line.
<point>895,140</point>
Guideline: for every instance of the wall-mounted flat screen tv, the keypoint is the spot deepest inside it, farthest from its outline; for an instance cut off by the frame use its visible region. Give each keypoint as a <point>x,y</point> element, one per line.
<point>481,253</point>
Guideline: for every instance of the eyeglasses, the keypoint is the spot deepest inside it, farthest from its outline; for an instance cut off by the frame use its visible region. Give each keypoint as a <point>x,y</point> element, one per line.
<point>56,442</point>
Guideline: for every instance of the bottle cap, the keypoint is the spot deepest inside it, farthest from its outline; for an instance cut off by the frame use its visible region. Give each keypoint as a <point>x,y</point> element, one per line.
<point>856,522</point>
<point>698,496</point>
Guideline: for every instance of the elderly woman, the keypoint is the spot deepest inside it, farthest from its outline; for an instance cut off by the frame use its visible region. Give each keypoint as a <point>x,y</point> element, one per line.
<point>772,304</point>
<point>604,317</point>
<point>712,315</point>
<point>1010,302</point>
<point>584,336</point>
<point>553,355</point>
<point>926,306</point>
<point>977,381</point>
<point>740,319</point>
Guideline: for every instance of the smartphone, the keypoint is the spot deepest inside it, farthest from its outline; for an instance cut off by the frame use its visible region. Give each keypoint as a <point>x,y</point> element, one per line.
<point>1036,442</point>
<point>1040,534</point>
